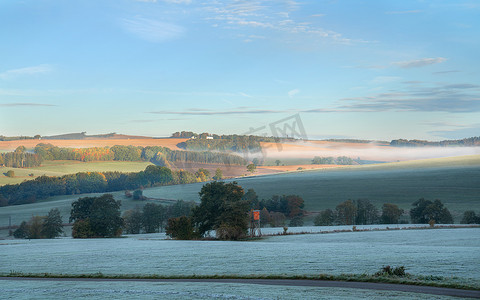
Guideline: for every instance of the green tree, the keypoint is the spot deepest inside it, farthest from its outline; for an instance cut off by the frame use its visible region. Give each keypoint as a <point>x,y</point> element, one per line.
<point>202,174</point>
<point>81,229</point>
<point>325,218</point>
<point>218,174</point>
<point>264,217</point>
<point>52,224</point>
<point>251,168</point>
<point>153,217</point>
<point>22,231</point>
<point>10,173</point>
<point>469,217</point>
<point>295,205</point>
<point>20,149</point>
<point>3,201</point>
<point>252,198</point>
<point>179,208</point>
<point>367,213</point>
<point>277,162</point>
<point>158,175</point>
<point>296,222</point>
<point>99,217</point>
<point>133,221</point>
<point>138,195</point>
<point>277,219</point>
<point>343,160</point>
<point>317,160</point>
<point>390,213</point>
<point>180,228</point>
<point>425,211</point>
<point>222,208</point>
<point>346,212</point>
<point>35,227</point>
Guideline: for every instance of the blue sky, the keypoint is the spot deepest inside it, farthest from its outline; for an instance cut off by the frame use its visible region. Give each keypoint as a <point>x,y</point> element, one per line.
<point>354,69</point>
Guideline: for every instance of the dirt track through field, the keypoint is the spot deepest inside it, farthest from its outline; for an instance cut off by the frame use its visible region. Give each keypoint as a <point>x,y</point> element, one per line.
<point>290,282</point>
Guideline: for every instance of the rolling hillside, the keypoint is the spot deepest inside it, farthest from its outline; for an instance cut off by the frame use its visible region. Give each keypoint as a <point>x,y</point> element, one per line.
<point>455,181</point>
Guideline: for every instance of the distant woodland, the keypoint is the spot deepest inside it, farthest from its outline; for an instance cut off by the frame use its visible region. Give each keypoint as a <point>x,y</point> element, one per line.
<point>133,153</point>
<point>94,182</point>
<point>236,143</point>
<point>473,141</point>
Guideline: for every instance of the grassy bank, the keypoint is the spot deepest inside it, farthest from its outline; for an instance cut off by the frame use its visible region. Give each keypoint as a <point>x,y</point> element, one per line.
<point>408,279</point>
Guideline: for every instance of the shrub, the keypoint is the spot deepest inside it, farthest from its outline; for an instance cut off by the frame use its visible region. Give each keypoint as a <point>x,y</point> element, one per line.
<point>10,173</point>
<point>296,222</point>
<point>389,271</point>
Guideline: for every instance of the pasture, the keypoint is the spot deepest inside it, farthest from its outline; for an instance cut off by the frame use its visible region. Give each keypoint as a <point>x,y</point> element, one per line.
<point>455,181</point>
<point>63,167</point>
<point>437,252</point>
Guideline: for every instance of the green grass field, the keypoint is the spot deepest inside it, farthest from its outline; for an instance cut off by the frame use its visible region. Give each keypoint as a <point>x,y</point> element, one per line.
<point>18,213</point>
<point>63,167</point>
<point>455,181</point>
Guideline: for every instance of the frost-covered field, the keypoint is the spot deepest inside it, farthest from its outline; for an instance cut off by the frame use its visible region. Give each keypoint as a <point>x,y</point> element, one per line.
<point>442,252</point>
<point>17,290</point>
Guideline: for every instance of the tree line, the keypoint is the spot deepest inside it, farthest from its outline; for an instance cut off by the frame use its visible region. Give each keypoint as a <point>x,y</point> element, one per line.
<point>20,159</point>
<point>134,153</point>
<point>363,212</point>
<point>214,142</point>
<point>224,208</point>
<point>472,141</point>
<point>341,160</point>
<point>41,227</point>
<point>97,182</point>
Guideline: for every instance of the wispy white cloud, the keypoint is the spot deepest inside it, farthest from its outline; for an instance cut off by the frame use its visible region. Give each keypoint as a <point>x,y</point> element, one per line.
<point>202,112</point>
<point>15,104</point>
<point>245,95</point>
<point>293,92</point>
<point>453,98</point>
<point>445,72</point>
<point>385,79</point>
<point>275,15</point>
<point>152,30</point>
<point>459,132</point>
<point>403,12</point>
<point>417,63</point>
<point>40,69</point>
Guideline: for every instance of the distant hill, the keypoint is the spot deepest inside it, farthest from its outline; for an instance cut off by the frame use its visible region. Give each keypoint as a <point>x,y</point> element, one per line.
<point>84,136</point>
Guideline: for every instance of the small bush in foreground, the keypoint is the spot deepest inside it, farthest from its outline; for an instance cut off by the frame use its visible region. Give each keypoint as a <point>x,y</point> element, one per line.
<point>389,271</point>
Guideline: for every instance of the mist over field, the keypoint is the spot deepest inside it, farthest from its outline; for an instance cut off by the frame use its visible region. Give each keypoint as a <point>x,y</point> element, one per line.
<point>364,151</point>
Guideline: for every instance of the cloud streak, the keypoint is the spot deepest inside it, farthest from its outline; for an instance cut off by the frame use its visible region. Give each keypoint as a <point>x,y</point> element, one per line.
<point>418,63</point>
<point>152,30</point>
<point>403,12</point>
<point>272,16</point>
<point>40,69</point>
<point>292,93</point>
<point>458,133</point>
<point>204,112</point>
<point>23,104</point>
